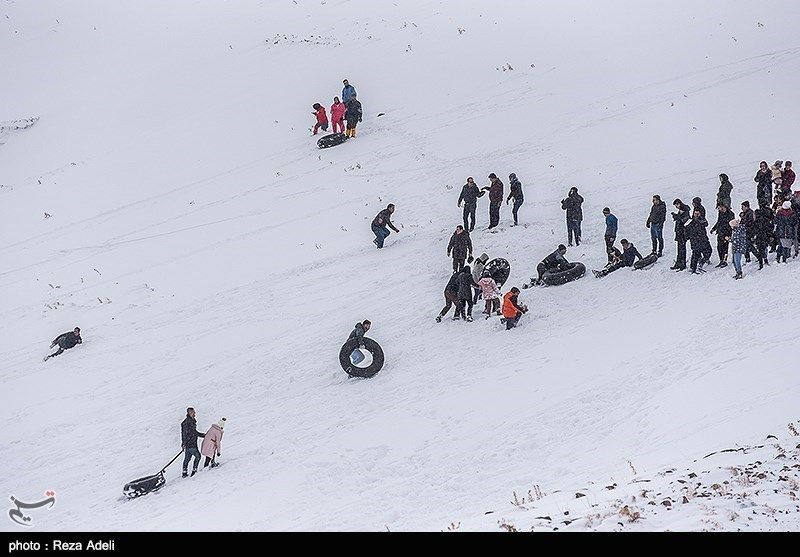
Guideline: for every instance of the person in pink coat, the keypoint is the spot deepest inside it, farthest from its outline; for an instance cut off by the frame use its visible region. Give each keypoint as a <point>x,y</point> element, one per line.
<point>337,115</point>
<point>212,443</point>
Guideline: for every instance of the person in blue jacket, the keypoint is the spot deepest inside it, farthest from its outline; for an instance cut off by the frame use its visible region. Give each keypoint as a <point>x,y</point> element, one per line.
<point>611,232</point>
<point>629,256</point>
<point>347,91</point>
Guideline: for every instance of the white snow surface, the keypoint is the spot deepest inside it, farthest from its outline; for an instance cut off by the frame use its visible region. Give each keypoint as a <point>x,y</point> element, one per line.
<point>160,188</point>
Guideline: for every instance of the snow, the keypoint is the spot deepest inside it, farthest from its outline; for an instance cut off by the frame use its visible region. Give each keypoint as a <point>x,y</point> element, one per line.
<point>171,201</point>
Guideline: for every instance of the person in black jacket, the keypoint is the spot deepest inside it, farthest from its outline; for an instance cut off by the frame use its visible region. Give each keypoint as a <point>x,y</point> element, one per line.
<point>553,262</point>
<point>572,205</point>
<point>515,194</point>
<point>465,285</point>
<point>629,256</point>
<point>353,115</point>
<point>698,240</point>
<point>470,193</point>
<point>358,332</point>
<point>763,180</point>
<point>655,222</point>
<point>697,203</point>
<point>450,297</point>
<point>681,215</point>
<point>380,223</point>
<point>747,219</point>
<point>189,435</point>
<point>722,229</point>
<point>724,192</point>
<point>65,341</point>
<point>762,230</point>
<point>459,247</point>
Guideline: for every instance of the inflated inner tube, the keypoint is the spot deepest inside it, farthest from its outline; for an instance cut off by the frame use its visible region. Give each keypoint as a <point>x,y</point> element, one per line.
<point>498,269</point>
<point>353,370</point>
<point>645,261</point>
<point>143,486</point>
<point>572,272</point>
<point>330,140</point>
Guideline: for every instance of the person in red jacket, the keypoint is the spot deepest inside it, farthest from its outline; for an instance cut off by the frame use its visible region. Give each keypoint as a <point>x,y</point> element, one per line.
<point>512,308</point>
<point>322,118</point>
<point>337,115</point>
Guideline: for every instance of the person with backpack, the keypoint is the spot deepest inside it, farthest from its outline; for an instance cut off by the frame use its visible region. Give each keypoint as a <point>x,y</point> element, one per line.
<point>655,222</point>
<point>65,341</point>
<point>189,435</point>
<point>574,213</point>
<point>515,194</point>
<point>322,118</point>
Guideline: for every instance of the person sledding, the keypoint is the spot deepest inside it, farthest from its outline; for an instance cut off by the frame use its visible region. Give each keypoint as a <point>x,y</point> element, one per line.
<point>627,258</point>
<point>513,309</point>
<point>358,332</point>
<point>322,118</point>
<point>353,115</point>
<point>65,341</point>
<point>553,262</point>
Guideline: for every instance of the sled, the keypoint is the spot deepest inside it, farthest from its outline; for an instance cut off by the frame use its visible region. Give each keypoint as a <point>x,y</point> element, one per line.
<point>331,140</point>
<point>645,261</point>
<point>147,484</point>
<point>349,365</point>
<point>499,269</point>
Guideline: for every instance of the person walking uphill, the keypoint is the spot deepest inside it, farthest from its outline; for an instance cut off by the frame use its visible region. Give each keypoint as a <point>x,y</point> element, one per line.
<point>65,341</point>
<point>572,205</point>
<point>189,435</point>
<point>495,199</point>
<point>353,115</point>
<point>459,247</point>
<point>470,192</point>
<point>322,118</point>
<point>380,223</point>
<point>212,443</point>
<point>655,222</point>
<point>515,194</point>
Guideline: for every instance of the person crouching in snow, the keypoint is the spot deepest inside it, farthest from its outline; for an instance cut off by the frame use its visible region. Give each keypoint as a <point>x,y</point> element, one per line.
<point>322,118</point>
<point>513,308</point>
<point>212,443</point>
<point>337,115</point>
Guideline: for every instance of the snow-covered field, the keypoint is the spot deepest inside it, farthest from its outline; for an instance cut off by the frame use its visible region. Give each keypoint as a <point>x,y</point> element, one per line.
<point>160,188</point>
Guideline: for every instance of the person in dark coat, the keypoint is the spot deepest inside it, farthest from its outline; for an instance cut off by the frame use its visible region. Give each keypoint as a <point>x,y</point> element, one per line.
<point>450,297</point>
<point>763,180</point>
<point>681,215</point>
<point>788,176</point>
<point>495,199</point>
<point>353,115</point>
<point>655,222</point>
<point>722,229</point>
<point>465,286</point>
<point>785,230</point>
<point>748,221</point>
<point>724,193</point>
<point>515,194</point>
<point>762,231</point>
<point>65,341</point>
<point>380,223</point>
<point>470,192</point>
<point>189,435</point>
<point>610,235</point>
<point>628,257</point>
<point>572,205</point>
<point>697,203</point>
<point>698,240</point>
<point>553,262</point>
<point>358,332</point>
<point>459,247</point>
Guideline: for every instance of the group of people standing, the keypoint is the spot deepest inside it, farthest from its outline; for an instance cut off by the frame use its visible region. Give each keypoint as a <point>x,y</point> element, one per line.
<point>345,114</point>
<point>470,193</point>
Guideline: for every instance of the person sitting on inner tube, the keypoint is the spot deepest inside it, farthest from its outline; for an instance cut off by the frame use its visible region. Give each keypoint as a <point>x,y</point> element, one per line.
<point>628,258</point>
<point>553,262</point>
<point>360,329</point>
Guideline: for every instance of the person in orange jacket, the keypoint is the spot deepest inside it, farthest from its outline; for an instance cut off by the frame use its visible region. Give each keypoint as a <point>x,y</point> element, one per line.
<point>322,118</point>
<point>512,308</point>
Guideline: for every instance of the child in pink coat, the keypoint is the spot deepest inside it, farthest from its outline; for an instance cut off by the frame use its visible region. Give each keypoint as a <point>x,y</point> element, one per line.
<point>212,444</point>
<point>491,295</point>
<point>337,115</point>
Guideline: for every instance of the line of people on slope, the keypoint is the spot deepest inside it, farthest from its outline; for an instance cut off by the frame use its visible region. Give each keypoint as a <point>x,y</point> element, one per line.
<point>470,193</point>
<point>345,114</point>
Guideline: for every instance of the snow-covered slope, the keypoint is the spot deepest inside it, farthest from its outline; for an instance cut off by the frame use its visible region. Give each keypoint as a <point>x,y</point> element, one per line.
<point>171,201</point>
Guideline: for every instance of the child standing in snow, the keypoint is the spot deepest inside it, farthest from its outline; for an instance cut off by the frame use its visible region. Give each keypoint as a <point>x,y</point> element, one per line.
<point>322,118</point>
<point>491,295</point>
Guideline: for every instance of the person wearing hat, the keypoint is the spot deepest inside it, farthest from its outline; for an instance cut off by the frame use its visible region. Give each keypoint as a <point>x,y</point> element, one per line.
<point>65,341</point>
<point>495,190</point>
<point>629,256</point>
<point>739,245</point>
<point>189,435</point>
<point>786,221</point>
<point>610,235</point>
<point>212,443</point>
<point>515,194</point>
<point>459,247</point>
<point>322,118</point>
<point>572,205</point>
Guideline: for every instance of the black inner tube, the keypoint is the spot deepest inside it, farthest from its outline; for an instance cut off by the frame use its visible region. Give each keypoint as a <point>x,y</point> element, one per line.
<point>574,271</point>
<point>330,140</point>
<point>499,269</point>
<point>370,346</point>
